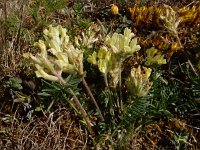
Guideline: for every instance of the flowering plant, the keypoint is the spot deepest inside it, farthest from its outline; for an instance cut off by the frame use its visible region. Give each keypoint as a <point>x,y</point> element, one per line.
<point>115,50</point>
<point>138,82</point>
<point>56,55</point>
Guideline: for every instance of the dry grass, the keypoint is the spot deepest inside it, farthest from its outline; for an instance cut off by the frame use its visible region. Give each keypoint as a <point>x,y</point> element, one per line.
<point>56,131</point>
<point>12,43</point>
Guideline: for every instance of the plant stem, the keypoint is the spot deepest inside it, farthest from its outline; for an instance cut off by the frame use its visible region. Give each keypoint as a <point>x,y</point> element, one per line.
<point>106,79</point>
<point>117,100</point>
<point>78,104</point>
<point>92,98</point>
<point>83,112</point>
<point>120,87</point>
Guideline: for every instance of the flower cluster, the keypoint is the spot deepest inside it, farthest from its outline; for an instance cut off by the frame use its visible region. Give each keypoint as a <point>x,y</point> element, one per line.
<point>187,14</point>
<point>171,20</point>
<point>88,38</point>
<point>56,55</point>
<point>115,50</point>
<point>154,58</point>
<point>138,83</point>
<point>144,14</point>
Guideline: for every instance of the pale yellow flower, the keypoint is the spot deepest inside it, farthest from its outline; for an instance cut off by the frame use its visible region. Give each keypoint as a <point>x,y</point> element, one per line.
<point>42,47</point>
<point>56,55</point>
<point>115,50</point>
<point>171,21</point>
<point>92,58</point>
<point>153,58</point>
<point>138,82</point>
<point>41,73</point>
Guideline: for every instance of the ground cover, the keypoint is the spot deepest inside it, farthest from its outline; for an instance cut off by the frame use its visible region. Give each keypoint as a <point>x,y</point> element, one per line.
<point>99,74</point>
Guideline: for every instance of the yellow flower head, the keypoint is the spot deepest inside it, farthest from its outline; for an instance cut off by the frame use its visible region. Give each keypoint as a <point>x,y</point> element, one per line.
<point>57,55</point>
<point>138,82</point>
<point>154,58</point>
<point>171,21</point>
<point>114,9</point>
<point>116,49</point>
<point>174,48</point>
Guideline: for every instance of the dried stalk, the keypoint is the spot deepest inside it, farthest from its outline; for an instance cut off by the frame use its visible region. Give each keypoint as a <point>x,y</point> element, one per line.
<point>92,98</point>
<point>78,104</point>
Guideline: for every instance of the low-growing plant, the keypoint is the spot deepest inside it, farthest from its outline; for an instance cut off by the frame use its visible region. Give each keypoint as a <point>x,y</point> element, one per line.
<point>14,83</point>
<point>64,58</point>
<point>138,85</point>
<point>171,23</point>
<point>58,55</point>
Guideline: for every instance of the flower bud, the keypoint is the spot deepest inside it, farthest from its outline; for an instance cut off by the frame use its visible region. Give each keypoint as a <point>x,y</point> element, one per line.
<point>114,9</point>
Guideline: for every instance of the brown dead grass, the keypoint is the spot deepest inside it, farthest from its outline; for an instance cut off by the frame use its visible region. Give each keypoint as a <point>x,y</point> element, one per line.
<point>55,131</point>
<point>12,43</point>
